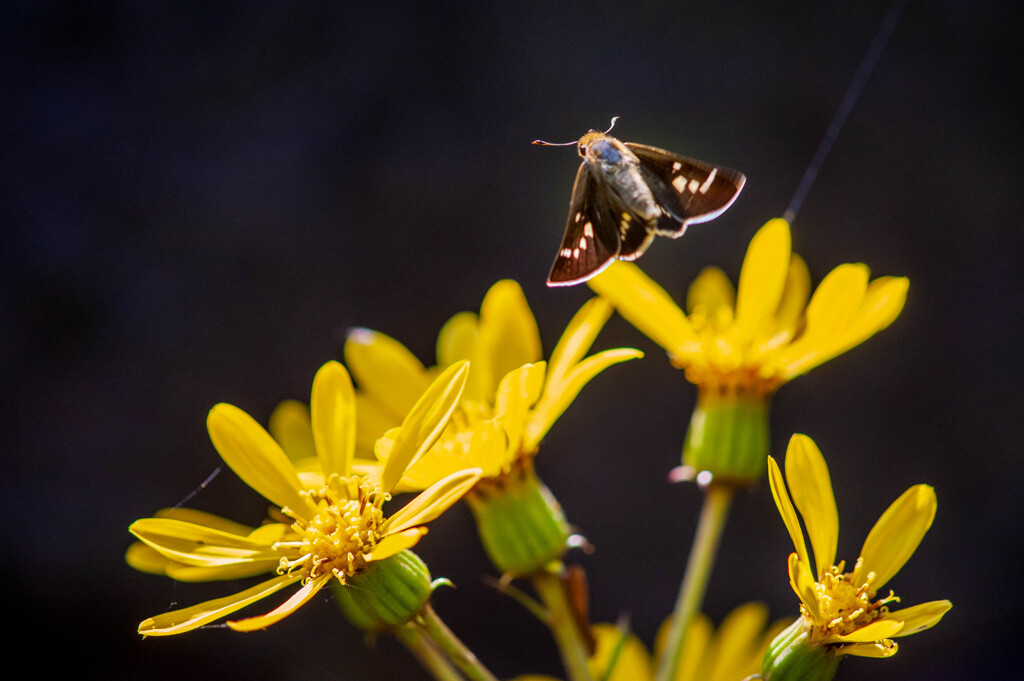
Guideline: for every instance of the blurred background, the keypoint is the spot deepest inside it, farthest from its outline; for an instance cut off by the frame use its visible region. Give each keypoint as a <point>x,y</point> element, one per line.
<point>201,198</point>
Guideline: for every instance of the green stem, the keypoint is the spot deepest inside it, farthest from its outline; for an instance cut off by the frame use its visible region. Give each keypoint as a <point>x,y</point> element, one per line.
<point>451,646</point>
<point>717,500</point>
<point>432,659</point>
<point>551,590</point>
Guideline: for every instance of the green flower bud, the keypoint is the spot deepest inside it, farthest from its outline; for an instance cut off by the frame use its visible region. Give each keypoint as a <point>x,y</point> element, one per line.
<point>387,593</point>
<point>728,437</point>
<point>791,658</point>
<point>520,523</point>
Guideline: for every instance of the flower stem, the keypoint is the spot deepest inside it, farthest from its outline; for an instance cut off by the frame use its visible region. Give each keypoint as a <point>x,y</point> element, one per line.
<point>451,646</point>
<point>432,659</point>
<point>717,500</point>
<point>551,590</point>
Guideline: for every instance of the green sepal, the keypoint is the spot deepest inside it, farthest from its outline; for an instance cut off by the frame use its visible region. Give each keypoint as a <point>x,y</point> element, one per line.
<point>791,658</point>
<point>387,593</point>
<point>520,523</point>
<point>728,437</point>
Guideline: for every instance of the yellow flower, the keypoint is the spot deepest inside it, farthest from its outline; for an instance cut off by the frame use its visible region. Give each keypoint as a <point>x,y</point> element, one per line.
<point>512,398</point>
<point>730,653</point>
<point>762,336</point>
<point>842,610</point>
<point>739,347</point>
<point>330,525</point>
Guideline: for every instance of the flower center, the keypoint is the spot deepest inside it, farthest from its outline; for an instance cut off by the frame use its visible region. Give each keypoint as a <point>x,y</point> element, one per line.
<point>846,606</point>
<point>343,530</point>
<point>723,362</point>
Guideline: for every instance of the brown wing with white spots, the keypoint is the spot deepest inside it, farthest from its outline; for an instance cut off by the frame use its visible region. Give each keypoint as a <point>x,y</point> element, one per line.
<point>591,239</point>
<point>687,190</point>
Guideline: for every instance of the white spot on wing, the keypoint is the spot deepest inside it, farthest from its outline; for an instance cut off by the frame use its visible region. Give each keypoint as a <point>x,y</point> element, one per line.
<point>707,183</point>
<point>575,253</point>
<point>680,184</point>
<point>583,243</point>
<point>694,186</point>
<point>677,165</point>
<point>588,230</point>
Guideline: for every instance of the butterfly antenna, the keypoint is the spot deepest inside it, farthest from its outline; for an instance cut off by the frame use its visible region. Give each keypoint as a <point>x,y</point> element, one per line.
<point>569,144</point>
<point>849,99</point>
<point>554,144</point>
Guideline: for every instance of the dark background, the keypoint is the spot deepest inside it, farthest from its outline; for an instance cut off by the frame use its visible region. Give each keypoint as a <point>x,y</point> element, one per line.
<point>200,198</point>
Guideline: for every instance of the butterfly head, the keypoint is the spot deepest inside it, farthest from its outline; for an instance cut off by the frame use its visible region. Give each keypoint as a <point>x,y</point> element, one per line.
<point>590,138</point>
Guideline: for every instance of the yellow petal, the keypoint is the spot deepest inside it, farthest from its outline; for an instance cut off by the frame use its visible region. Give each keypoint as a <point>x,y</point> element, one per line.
<point>802,582</point>
<point>694,663</point>
<point>837,299</point>
<point>433,501</point>
<point>147,559</point>
<point>894,538</point>
<point>882,304</point>
<point>876,631</point>
<point>794,296</point>
<point>480,446</point>
<point>811,488</point>
<point>917,618</point>
<point>631,660</point>
<point>271,533</point>
<point>762,277</point>
<point>459,339</point>
<point>517,392</point>
<point>558,397</point>
<point>396,543</point>
<point>425,422</point>
<point>296,601</point>
<point>186,619</point>
<point>189,573</point>
<point>710,291</point>
<point>577,338</point>
<point>786,510</point>
<point>737,643</point>
<point>197,545</point>
<point>191,515</point>
<point>833,306</point>
<point>877,649</point>
<point>255,457</point>
<point>509,337</point>
<point>333,408</point>
<point>646,306</point>
<point>372,421</point>
<point>290,426</point>
<point>385,370</point>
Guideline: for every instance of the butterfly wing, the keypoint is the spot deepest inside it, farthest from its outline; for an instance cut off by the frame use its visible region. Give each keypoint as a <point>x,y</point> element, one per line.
<point>635,233</point>
<point>687,190</point>
<point>591,241</point>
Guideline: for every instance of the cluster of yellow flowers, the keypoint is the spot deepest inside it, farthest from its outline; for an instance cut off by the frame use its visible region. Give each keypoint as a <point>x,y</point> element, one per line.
<point>469,428</point>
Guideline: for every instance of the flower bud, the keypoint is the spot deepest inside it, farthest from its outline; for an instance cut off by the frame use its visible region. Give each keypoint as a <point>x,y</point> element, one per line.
<point>520,523</point>
<point>728,437</point>
<point>790,657</point>
<point>387,593</point>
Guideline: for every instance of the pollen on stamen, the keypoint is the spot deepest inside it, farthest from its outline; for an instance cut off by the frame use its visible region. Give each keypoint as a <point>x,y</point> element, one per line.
<point>844,606</point>
<point>344,529</point>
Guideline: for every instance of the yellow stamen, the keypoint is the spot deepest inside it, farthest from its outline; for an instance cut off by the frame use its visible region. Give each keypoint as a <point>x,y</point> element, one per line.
<point>344,529</point>
<point>845,606</point>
